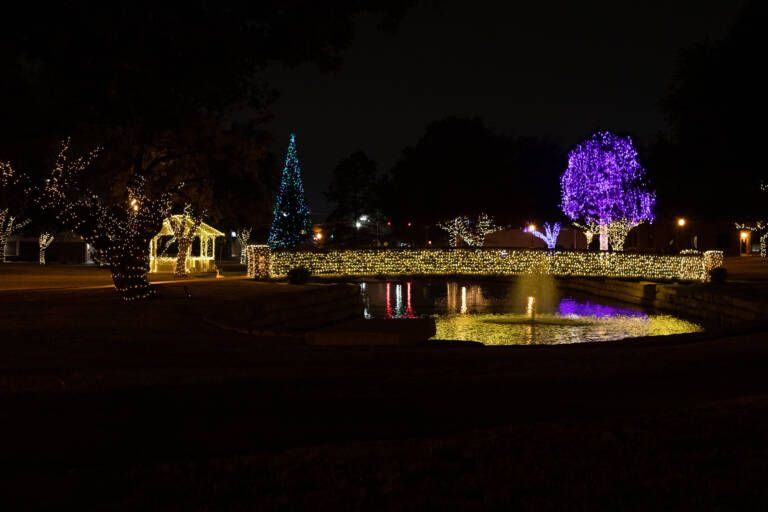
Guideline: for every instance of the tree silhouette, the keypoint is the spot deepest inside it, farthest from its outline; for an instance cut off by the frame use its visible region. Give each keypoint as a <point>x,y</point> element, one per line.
<point>710,108</point>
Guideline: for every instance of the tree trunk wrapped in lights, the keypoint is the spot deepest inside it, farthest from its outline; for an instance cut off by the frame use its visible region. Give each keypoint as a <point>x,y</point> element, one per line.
<point>44,241</point>
<point>590,230</point>
<point>14,190</point>
<point>119,232</point>
<point>243,236</point>
<point>618,231</point>
<point>184,228</point>
<point>8,226</point>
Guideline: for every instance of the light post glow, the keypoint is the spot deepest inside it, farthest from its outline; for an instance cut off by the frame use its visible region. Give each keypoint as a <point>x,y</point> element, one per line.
<point>681,222</point>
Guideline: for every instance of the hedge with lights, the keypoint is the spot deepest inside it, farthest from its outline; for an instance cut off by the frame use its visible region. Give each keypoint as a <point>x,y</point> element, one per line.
<point>264,263</point>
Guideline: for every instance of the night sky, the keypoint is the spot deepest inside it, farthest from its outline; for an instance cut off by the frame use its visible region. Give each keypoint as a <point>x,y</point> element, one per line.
<point>544,68</point>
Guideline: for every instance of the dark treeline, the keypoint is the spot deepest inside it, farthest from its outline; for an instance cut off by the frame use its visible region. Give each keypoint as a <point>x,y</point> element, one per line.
<point>460,166</point>
<point>711,164</point>
<point>707,163</point>
<point>168,91</point>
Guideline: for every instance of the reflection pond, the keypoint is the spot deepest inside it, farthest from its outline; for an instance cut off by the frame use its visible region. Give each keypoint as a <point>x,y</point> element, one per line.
<point>525,311</point>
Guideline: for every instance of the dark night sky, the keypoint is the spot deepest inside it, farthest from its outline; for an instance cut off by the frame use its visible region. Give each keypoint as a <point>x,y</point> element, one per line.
<point>546,68</point>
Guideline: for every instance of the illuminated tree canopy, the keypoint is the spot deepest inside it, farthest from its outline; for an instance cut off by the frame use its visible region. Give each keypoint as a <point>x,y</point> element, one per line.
<point>605,183</point>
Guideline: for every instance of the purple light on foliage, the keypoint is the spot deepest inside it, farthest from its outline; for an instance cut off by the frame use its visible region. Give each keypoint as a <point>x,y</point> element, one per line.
<point>604,182</point>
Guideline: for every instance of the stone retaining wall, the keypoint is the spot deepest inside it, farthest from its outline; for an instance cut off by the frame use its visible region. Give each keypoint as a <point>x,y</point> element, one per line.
<point>263,263</point>
<point>317,306</point>
<point>708,304</point>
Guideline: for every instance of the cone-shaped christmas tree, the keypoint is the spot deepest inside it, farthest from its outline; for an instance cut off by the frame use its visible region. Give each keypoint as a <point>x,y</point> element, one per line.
<point>291,223</point>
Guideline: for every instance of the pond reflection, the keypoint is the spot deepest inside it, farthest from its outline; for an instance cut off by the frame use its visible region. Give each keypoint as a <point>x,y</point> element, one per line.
<point>514,312</point>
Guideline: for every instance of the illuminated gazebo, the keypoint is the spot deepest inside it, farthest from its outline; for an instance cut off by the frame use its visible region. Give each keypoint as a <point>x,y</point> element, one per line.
<point>203,261</point>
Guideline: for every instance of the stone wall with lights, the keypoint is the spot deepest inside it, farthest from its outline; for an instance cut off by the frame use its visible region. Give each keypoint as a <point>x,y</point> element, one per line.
<point>263,263</point>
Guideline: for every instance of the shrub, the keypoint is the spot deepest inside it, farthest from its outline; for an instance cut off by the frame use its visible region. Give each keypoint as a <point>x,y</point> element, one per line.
<point>718,275</point>
<point>299,275</point>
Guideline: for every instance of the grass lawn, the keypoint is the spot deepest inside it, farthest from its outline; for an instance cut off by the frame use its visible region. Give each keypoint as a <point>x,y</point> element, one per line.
<point>142,406</point>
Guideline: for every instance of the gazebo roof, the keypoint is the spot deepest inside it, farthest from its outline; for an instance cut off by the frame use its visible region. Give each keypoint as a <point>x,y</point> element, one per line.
<point>203,230</point>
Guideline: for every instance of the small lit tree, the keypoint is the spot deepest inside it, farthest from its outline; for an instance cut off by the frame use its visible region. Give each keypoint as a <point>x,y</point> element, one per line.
<point>482,227</point>
<point>44,241</point>
<point>8,225</point>
<point>605,183</point>
<point>184,228</point>
<point>457,229</point>
<point>243,236</point>
<point>14,189</point>
<point>472,233</point>
<point>120,232</point>
<point>551,232</point>
<point>590,230</point>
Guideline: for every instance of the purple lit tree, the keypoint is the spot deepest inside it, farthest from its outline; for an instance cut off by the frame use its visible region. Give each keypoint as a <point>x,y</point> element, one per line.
<point>605,184</point>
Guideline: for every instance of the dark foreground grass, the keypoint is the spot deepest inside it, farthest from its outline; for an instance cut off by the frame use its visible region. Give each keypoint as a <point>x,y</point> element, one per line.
<point>710,457</point>
<point>149,407</point>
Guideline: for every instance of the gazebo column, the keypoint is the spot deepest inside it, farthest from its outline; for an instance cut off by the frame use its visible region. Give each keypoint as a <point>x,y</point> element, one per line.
<point>213,253</point>
<point>153,255</point>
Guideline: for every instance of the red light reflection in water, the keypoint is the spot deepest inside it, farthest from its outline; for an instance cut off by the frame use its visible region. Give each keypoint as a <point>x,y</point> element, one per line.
<point>408,308</point>
<point>397,311</point>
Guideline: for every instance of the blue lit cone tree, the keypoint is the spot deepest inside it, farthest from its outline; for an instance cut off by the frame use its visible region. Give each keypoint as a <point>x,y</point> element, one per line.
<point>291,223</point>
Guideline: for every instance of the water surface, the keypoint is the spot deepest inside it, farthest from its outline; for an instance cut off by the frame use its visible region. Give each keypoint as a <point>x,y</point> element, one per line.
<point>525,311</point>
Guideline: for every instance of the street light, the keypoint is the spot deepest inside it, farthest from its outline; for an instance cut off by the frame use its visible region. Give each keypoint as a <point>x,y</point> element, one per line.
<point>681,222</point>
